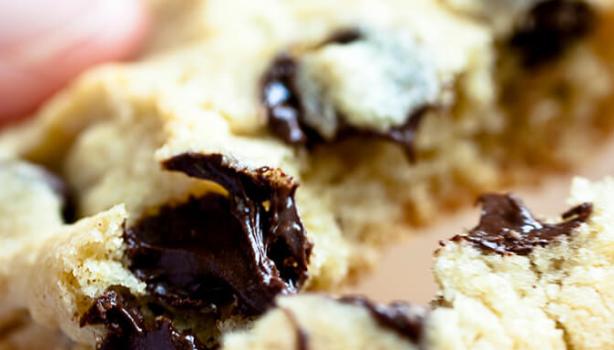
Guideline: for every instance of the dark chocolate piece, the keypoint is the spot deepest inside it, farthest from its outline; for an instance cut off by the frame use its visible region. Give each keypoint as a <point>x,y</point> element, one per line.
<point>215,251</point>
<point>281,98</point>
<point>508,227</point>
<point>285,112</point>
<point>343,36</point>
<point>399,317</point>
<point>282,102</point>
<point>302,338</point>
<point>550,28</point>
<point>127,328</point>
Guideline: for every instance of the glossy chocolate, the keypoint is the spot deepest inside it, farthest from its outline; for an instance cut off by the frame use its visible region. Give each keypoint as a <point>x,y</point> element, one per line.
<point>281,98</point>
<point>508,227</point>
<point>399,317</point>
<point>550,28</point>
<point>214,251</point>
<point>127,328</point>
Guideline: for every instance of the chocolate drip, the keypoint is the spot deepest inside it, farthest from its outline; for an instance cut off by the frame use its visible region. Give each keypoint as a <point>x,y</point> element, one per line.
<point>508,227</point>
<point>127,328</point>
<point>302,338</point>
<point>550,28</point>
<point>217,251</point>
<point>402,318</point>
<point>281,98</point>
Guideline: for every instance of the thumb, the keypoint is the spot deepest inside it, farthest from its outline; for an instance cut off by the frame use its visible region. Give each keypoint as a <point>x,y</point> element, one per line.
<point>45,43</point>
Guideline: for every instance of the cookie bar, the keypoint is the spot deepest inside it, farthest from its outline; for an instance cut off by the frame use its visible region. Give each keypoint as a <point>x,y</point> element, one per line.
<point>298,131</point>
<point>512,282</point>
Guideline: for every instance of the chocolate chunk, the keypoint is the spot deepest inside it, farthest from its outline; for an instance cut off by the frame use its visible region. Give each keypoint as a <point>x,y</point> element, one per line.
<point>402,318</point>
<point>40,174</point>
<point>127,328</point>
<point>282,103</point>
<point>508,227</point>
<point>216,251</point>
<point>344,36</point>
<point>286,101</point>
<point>302,338</point>
<point>550,28</point>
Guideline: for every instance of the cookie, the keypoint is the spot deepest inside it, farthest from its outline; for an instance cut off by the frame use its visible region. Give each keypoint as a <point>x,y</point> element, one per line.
<point>249,156</point>
<point>512,282</point>
<point>531,275</point>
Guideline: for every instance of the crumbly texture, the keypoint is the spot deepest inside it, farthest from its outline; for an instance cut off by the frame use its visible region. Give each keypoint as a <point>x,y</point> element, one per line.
<point>197,90</point>
<point>557,297</point>
<point>75,267</point>
<point>49,270</point>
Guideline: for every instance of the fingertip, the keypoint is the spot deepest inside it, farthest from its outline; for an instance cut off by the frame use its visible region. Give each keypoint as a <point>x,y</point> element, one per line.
<point>33,70</point>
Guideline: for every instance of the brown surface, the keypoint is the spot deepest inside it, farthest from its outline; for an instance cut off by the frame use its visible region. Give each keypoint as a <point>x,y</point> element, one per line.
<point>405,270</point>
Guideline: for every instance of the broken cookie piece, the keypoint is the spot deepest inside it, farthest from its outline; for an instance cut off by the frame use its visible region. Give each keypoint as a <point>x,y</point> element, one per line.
<point>221,256</point>
<point>552,293</point>
<point>217,250</point>
<point>555,296</point>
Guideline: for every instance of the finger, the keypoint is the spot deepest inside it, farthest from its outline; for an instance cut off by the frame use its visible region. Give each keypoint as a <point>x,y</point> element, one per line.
<point>46,43</point>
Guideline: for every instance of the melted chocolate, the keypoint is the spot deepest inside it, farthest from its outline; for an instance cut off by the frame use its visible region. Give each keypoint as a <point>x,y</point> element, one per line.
<point>285,112</point>
<point>302,338</point>
<point>550,28</point>
<point>398,316</point>
<point>344,36</point>
<point>282,101</point>
<point>508,227</point>
<point>210,252</point>
<point>127,328</point>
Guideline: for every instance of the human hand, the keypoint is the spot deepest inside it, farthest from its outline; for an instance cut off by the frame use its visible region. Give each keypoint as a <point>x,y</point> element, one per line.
<point>46,43</point>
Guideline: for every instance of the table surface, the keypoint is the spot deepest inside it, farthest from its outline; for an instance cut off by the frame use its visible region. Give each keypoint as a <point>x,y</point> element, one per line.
<point>404,271</point>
